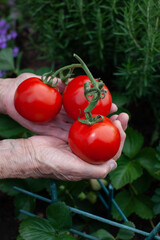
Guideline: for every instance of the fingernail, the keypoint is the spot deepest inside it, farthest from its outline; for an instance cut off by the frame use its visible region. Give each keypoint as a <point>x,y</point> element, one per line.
<point>113,165</point>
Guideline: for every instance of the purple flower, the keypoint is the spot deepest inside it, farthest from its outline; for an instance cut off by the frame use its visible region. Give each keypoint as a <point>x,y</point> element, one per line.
<point>13,34</point>
<point>9,37</point>
<point>3,45</point>
<point>7,26</point>
<point>15,51</point>
<point>3,31</point>
<point>2,23</point>
<point>2,73</point>
<point>3,39</point>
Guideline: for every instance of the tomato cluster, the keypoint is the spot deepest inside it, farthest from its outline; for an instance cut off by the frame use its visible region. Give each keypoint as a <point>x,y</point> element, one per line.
<point>94,143</point>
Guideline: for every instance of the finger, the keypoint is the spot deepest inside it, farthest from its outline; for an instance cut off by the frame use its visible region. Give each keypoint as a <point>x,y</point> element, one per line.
<point>100,171</point>
<point>83,170</point>
<point>114,117</point>
<point>61,86</point>
<point>113,108</point>
<point>24,76</point>
<point>123,137</point>
<point>123,118</point>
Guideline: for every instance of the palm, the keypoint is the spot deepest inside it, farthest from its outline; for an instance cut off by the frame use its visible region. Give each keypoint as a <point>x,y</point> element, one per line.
<point>58,127</point>
<point>55,160</point>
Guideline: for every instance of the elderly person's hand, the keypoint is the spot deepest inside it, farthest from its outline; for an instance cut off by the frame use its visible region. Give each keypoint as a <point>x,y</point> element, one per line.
<point>48,154</point>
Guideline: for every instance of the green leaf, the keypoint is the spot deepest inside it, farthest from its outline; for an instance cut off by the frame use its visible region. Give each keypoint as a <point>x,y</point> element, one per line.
<point>133,143</point>
<point>6,186</point>
<point>19,238</point>
<point>102,234</point>
<point>37,185</point>
<point>65,236</point>
<point>125,234</point>
<point>125,201</point>
<point>6,59</point>
<point>143,183</point>
<point>157,191</point>
<point>74,188</point>
<point>10,128</point>
<point>156,209</point>
<point>143,207</point>
<point>42,70</point>
<point>34,228</point>
<point>59,215</point>
<point>24,202</point>
<point>126,172</point>
<point>119,99</point>
<point>147,158</point>
<point>26,70</point>
<point>156,200</point>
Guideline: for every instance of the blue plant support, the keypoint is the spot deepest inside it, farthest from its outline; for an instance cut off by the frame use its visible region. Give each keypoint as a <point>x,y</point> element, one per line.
<point>108,206</point>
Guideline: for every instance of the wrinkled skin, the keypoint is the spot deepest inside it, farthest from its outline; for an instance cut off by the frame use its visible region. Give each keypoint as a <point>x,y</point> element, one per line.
<point>48,154</point>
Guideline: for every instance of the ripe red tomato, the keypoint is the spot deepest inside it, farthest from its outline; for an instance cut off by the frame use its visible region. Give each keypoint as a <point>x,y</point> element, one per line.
<point>36,101</point>
<point>74,100</point>
<point>96,143</point>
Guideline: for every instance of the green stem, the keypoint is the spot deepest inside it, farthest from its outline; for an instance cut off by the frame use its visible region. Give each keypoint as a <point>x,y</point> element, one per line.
<point>72,66</point>
<point>92,104</point>
<point>96,91</point>
<point>133,188</point>
<point>47,78</point>
<point>87,71</point>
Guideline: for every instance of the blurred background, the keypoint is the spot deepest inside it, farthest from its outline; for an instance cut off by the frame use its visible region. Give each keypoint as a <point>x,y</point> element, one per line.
<point>120,43</point>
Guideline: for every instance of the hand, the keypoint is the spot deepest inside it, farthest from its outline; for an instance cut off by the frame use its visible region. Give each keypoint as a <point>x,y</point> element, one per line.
<point>55,159</point>
<point>58,127</point>
<point>50,155</point>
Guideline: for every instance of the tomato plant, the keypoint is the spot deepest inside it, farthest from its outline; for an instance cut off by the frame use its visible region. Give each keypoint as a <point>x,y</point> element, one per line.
<point>37,101</point>
<point>74,100</point>
<point>95,143</point>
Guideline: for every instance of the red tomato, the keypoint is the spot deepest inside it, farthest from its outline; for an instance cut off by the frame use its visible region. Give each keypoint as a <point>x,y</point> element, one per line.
<point>74,100</point>
<point>96,143</point>
<point>36,101</point>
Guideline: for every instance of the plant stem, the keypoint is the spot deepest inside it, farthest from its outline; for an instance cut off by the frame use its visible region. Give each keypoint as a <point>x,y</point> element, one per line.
<point>96,91</point>
<point>72,66</point>
<point>47,78</point>
<point>133,188</point>
<point>87,71</point>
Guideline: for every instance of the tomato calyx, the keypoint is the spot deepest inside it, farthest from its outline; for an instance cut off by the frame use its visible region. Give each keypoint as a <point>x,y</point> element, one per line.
<point>48,81</point>
<point>47,78</point>
<point>93,89</point>
<point>90,120</point>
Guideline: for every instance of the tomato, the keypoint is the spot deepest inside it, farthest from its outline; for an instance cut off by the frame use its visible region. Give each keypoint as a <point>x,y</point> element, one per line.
<point>74,100</point>
<point>36,101</point>
<point>96,143</point>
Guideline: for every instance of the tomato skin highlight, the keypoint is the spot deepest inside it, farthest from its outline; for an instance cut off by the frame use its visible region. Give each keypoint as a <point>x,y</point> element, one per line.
<point>94,144</point>
<point>74,100</point>
<point>36,101</point>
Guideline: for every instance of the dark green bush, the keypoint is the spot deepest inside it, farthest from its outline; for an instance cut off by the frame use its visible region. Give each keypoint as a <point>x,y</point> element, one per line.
<point>119,39</point>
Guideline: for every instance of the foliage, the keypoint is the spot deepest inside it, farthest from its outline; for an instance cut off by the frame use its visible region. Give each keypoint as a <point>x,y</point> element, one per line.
<point>8,50</point>
<point>122,234</point>
<point>137,171</point>
<point>108,35</point>
<point>10,128</point>
<point>113,32</point>
<point>120,39</point>
<point>156,200</point>
<point>55,227</point>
